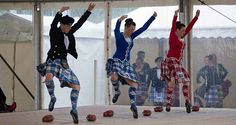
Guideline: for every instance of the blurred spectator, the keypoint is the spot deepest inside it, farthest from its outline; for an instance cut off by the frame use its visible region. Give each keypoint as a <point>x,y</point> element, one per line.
<point>201,84</point>
<point>214,87</point>
<point>141,69</point>
<point>157,86</point>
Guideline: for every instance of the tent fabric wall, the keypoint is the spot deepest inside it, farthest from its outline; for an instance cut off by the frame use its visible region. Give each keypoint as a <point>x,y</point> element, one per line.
<point>6,77</point>
<point>17,48</point>
<point>24,69</point>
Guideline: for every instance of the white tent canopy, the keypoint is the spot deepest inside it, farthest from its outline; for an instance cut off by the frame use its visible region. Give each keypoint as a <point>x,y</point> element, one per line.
<point>204,27</point>
<point>15,29</point>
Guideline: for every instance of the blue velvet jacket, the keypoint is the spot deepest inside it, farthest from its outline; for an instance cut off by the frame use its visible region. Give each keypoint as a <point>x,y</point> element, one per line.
<point>123,48</point>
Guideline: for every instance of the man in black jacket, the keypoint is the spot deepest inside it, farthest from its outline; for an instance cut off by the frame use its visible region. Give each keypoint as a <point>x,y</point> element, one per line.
<point>62,42</point>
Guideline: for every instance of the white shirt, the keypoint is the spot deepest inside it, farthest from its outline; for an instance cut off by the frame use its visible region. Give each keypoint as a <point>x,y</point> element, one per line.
<point>128,39</point>
<point>66,41</point>
<point>158,73</point>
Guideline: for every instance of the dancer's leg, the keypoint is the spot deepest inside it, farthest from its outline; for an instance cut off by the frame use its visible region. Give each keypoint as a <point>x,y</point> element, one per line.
<point>116,85</point>
<point>132,96</point>
<point>74,98</point>
<point>170,89</point>
<point>185,90</point>
<point>51,87</point>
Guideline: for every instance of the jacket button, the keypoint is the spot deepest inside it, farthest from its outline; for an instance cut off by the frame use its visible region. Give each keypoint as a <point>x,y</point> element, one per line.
<point>54,51</point>
<point>55,45</point>
<point>58,54</point>
<point>53,57</point>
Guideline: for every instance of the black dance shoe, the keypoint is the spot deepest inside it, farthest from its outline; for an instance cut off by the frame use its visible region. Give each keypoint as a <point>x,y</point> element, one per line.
<point>167,108</point>
<point>74,117</point>
<point>134,111</point>
<point>115,98</point>
<point>51,104</point>
<point>188,107</point>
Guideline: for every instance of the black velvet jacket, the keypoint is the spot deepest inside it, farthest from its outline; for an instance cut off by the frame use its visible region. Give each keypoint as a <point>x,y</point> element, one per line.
<point>58,49</point>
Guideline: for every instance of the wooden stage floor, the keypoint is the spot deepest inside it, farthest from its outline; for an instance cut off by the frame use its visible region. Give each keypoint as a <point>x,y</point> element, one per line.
<point>123,116</point>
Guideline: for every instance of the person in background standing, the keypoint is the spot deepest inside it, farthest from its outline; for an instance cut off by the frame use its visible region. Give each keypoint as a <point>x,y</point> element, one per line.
<point>214,80</point>
<point>157,86</point>
<point>141,69</point>
<point>3,106</point>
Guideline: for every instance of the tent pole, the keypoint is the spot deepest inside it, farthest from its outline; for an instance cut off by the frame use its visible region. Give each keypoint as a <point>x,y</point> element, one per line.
<point>182,20</point>
<point>107,45</point>
<point>189,16</point>
<point>37,52</point>
<point>185,14</point>
<point>14,68</point>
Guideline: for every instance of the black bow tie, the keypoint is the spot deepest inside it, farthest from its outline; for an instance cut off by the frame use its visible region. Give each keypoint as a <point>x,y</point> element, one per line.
<point>66,34</point>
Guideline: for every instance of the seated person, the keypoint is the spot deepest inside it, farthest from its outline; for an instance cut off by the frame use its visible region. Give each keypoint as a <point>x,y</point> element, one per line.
<point>3,106</point>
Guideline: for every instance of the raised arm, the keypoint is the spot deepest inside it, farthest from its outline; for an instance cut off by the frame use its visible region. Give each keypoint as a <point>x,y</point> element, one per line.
<point>118,22</point>
<point>201,74</point>
<point>144,27</point>
<point>83,18</point>
<point>193,21</point>
<point>149,78</point>
<point>58,16</point>
<point>173,27</point>
<point>222,71</point>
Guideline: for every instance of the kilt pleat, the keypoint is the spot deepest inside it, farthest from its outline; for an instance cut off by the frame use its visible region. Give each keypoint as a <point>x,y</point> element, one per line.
<point>54,67</point>
<point>123,69</point>
<point>171,67</point>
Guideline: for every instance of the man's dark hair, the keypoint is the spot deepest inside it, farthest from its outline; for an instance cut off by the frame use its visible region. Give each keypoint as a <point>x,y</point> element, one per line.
<point>67,20</point>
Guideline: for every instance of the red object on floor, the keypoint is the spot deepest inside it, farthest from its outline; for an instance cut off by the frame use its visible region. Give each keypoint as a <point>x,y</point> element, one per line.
<point>158,109</point>
<point>108,113</point>
<point>48,118</point>
<point>195,108</point>
<point>12,107</point>
<point>91,117</point>
<point>147,112</point>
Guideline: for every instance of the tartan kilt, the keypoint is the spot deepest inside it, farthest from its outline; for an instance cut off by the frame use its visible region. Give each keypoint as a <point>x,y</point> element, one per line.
<point>123,69</point>
<point>155,96</point>
<point>171,67</point>
<point>214,96</point>
<point>65,76</point>
<point>142,88</point>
